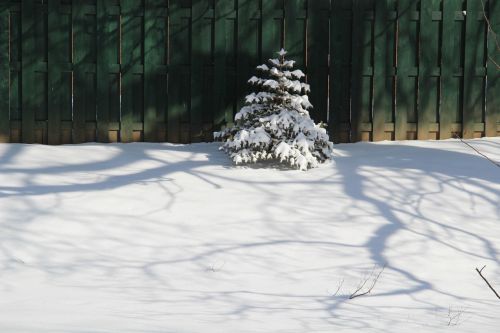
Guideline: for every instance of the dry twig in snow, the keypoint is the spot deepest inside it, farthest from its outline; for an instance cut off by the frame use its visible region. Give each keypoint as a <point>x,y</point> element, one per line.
<point>480,271</point>
<point>358,292</point>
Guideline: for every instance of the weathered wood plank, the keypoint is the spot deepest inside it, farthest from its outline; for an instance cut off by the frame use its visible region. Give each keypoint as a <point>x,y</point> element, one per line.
<point>451,70</point>
<point>362,70</point>
<point>178,75</point>
<point>492,112</point>
<point>28,71</point>
<point>474,68</point>
<point>103,53</point>
<point>384,63</point>
<point>339,75</point>
<point>198,59</point>
<point>224,9</point>
<point>429,70</point>
<point>317,62</point>
<point>407,61</point>
<point>4,73</point>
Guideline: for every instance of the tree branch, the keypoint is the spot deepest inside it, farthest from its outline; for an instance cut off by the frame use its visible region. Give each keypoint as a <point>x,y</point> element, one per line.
<point>480,271</point>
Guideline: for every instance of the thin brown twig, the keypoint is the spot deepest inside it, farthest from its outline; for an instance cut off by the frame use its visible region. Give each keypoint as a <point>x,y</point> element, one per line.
<point>480,271</point>
<point>338,288</point>
<point>355,294</point>
<point>476,150</point>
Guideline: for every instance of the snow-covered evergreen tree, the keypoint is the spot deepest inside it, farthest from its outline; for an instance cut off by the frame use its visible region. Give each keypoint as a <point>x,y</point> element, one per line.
<point>275,124</point>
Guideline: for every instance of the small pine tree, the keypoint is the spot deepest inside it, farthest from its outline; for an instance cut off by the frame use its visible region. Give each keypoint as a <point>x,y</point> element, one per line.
<point>275,124</point>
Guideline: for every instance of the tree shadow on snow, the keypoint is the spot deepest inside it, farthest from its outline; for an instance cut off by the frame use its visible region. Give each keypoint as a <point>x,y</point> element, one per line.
<point>357,170</point>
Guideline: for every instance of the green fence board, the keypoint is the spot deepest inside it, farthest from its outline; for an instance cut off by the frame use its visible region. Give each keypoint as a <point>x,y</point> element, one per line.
<point>198,59</point>
<point>103,40</point>
<point>451,68</point>
<point>430,20</point>
<point>295,30</point>
<point>28,71</point>
<point>224,17</point>
<point>492,115</point>
<point>272,27</point>
<point>80,87</point>
<point>248,44</point>
<point>131,69</point>
<point>55,60</point>
<point>154,47</point>
<point>317,60</point>
<point>473,69</point>
<point>178,77</point>
<point>407,61</point>
<point>4,73</point>
<point>384,65</point>
<point>339,75</point>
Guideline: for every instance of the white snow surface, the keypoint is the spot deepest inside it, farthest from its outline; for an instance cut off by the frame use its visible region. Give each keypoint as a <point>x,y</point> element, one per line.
<point>174,238</point>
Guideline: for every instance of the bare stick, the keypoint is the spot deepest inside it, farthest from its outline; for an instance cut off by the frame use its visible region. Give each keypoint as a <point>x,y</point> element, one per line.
<point>338,288</point>
<point>477,151</point>
<point>480,271</point>
<point>374,282</point>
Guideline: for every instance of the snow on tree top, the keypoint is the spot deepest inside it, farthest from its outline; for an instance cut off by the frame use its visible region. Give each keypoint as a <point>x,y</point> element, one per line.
<point>282,52</point>
<point>275,62</point>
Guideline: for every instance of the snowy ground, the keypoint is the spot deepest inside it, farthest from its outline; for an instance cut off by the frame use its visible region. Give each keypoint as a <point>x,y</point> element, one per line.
<point>173,238</point>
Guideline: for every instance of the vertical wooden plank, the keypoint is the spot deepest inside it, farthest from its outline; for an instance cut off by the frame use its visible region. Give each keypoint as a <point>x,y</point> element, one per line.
<point>28,70</point>
<point>80,52</point>
<point>295,31</point>
<point>15,112</point>
<point>362,70</point>
<point>224,9</point>
<point>451,68</point>
<point>41,84</point>
<point>132,108</point>
<point>473,69</point>
<point>153,47</point>
<point>55,59</point>
<point>383,68</point>
<point>103,61</point>
<point>339,76</point>
<point>317,62</point>
<point>4,73</point>
<point>248,45</point>
<point>178,77</point>
<point>407,70</point>
<point>272,26</point>
<point>492,113</point>
<point>208,72</point>
<point>429,71</point>
<point>198,58</point>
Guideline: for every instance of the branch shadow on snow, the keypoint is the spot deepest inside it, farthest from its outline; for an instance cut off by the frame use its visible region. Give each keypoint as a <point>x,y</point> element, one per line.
<point>368,167</point>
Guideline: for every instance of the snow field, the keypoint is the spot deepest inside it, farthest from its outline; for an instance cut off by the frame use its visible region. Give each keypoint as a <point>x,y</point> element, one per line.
<point>174,238</point>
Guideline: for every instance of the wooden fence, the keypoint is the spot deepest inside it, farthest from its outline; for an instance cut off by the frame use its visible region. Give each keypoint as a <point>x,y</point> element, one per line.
<point>158,70</point>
